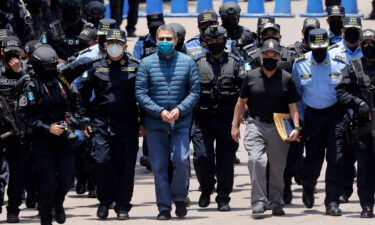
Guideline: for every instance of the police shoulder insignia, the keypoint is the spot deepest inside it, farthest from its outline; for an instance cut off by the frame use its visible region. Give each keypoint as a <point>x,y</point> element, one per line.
<point>102,70</point>
<point>340,59</point>
<point>23,101</point>
<point>128,69</point>
<point>333,46</point>
<point>305,76</point>
<point>84,51</point>
<point>335,75</point>
<point>299,58</point>
<point>133,59</point>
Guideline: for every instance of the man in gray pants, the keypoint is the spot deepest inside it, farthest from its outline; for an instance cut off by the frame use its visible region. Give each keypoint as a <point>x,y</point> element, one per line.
<point>265,91</point>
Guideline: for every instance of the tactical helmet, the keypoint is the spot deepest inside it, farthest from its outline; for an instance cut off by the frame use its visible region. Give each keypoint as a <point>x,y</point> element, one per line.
<point>215,32</point>
<point>178,29</point>
<point>70,4</point>
<point>229,9</point>
<point>43,57</point>
<point>95,8</point>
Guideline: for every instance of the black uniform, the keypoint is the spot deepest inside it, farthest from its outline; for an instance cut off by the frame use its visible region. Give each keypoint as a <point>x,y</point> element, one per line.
<point>117,13</point>
<point>114,120</point>
<point>220,83</point>
<point>355,88</point>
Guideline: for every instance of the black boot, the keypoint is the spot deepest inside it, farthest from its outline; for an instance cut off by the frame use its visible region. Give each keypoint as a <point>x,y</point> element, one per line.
<point>60,216</point>
<point>367,212</point>
<point>333,209</point>
<point>308,197</point>
<point>12,218</point>
<point>102,212</point>
<point>287,195</point>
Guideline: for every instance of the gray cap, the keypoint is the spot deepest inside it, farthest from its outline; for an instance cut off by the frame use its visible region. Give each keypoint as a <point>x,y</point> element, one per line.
<point>367,34</point>
<point>271,44</point>
<point>88,34</point>
<point>311,22</point>
<point>270,26</point>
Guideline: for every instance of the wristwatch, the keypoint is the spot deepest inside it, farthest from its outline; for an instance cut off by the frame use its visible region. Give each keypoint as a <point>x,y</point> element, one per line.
<point>297,128</point>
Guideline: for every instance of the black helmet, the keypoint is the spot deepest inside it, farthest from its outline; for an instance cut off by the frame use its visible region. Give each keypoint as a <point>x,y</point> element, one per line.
<point>229,9</point>
<point>70,4</point>
<point>215,32</point>
<point>178,29</point>
<point>43,57</point>
<point>95,8</point>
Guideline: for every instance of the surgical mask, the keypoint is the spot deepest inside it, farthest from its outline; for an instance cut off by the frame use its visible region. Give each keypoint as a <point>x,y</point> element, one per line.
<point>319,55</point>
<point>270,63</point>
<point>216,48</point>
<point>352,36</point>
<point>114,50</point>
<point>335,26</point>
<point>165,47</point>
<point>368,50</point>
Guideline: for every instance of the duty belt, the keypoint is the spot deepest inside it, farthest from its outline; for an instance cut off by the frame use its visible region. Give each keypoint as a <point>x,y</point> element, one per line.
<point>261,119</point>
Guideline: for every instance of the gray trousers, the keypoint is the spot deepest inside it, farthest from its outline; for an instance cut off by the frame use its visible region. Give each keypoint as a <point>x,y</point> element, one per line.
<point>264,145</point>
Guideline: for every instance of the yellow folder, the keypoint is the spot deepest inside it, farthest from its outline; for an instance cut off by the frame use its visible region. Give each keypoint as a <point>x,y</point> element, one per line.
<point>284,125</point>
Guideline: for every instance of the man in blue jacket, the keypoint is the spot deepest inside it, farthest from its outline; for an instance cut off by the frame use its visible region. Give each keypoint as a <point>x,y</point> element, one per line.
<point>167,88</point>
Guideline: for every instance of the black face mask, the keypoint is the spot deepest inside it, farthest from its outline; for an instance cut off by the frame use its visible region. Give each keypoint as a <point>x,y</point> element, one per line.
<point>230,23</point>
<point>368,50</point>
<point>270,63</point>
<point>352,36</point>
<point>152,31</point>
<point>319,55</point>
<point>9,56</point>
<point>70,16</point>
<point>216,48</point>
<point>45,74</point>
<point>179,45</point>
<point>335,26</point>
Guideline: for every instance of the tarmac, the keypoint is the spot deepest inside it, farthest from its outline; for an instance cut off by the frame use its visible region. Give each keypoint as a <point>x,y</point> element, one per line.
<point>82,210</point>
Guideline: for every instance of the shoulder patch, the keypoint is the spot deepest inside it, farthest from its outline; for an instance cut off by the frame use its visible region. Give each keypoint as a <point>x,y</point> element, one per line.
<point>340,59</point>
<point>299,58</point>
<point>84,51</point>
<point>133,59</point>
<point>333,46</point>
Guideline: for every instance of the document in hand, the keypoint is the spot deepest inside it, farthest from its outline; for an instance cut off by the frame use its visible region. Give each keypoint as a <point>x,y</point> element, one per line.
<point>284,125</point>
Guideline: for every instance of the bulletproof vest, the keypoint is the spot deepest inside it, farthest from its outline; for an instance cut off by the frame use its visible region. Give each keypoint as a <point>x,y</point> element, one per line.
<point>218,93</point>
<point>149,48</point>
<point>298,49</point>
<point>7,85</point>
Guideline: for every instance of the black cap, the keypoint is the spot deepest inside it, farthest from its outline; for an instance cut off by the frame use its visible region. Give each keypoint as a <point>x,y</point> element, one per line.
<point>11,43</point>
<point>265,19</point>
<point>31,46</point>
<point>311,22</point>
<point>178,29</point>
<point>105,25</point>
<point>367,34</point>
<point>116,34</point>
<point>207,16</point>
<point>336,10</point>
<point>352,22</point>
<point>270,26</point>
<point>215,32</point>
<point>88,34</point>
<point>271,44</point>
<point>229,9</point>
<point>318,38</point>
<point>155,20</point>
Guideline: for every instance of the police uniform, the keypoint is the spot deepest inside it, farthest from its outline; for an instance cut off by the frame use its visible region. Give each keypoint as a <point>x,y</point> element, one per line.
<point>220,83</point>
<point>252,56</point>
<point>15,149</point>
<point>240,35</point>
<point>335,11</point>
<point>146,45</point>
<point>322,115</point>
<point>355,91</point>
<point>348,172</point>
<point>113,115</point>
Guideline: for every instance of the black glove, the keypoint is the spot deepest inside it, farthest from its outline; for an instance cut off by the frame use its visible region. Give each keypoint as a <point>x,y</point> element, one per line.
<point>364,110</point>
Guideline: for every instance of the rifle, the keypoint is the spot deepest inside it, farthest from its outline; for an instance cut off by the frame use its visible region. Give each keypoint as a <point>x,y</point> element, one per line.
<point>8,115</point>
<point>370,92</point>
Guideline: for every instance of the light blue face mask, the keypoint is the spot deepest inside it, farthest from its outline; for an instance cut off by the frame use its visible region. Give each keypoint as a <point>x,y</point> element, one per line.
<point>165,47</point>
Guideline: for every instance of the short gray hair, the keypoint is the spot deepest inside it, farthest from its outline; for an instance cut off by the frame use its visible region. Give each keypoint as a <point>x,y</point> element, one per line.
<point>166,28</point>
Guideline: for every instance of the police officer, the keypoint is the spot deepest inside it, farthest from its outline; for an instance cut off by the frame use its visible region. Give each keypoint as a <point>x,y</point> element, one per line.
<point>113,116</point>
<point>181,32</point>
<point>371,16</point>
<point>94,12</point>
<point>316,74</point>
<point>15,149</point>
<point>117,14</point>
<point>252,58</point>
<point>335,19</point>
<point>348,48</point>
<point>230,17</point>
<point>355,91</point>
<point>197,45</point>
<point>39,10</point>
<point>63,34</point>
<point>301,47</point>
<point>146,45</point>
<point>221,77</point>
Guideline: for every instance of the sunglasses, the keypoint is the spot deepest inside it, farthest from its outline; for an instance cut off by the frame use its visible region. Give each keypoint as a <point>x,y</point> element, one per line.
<point>165,39</point>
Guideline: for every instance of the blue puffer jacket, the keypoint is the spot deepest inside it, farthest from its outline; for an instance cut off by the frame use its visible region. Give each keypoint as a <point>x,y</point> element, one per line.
<point>166,83</point>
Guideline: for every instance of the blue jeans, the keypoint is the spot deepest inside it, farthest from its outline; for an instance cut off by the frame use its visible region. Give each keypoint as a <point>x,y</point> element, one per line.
<point>165,145</point>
